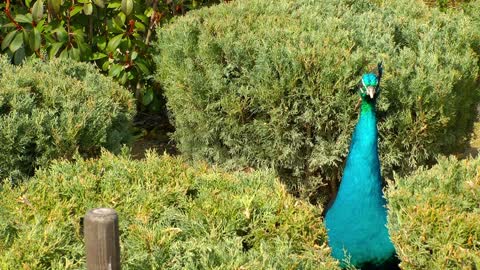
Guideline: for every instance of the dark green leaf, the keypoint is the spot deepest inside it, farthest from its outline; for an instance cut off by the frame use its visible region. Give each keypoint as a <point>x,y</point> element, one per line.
<point>99,3</point>
<point>155,105</point>
<point>79,35</point>
<point>114,5</point>
<point>64,53</point>
<point>142,66</point>
<point>37,10</point>
<point>120,20</point>
<point>137,36</point>
<point>115,70</point>
<point>114,42</point>
<point>88,8</point>
<point>115,28</point>
<point>85,50</point>
<point>139,26</point>
<point>149,12</point>
<point>19,56</point>
<point>49,39</point>
<point>127,6</point>
<point>106,66</point>
<point>25,34</point>
<point>17,42</point>
<point>21,18</point>
<point>8,38</point>
<point>98,55</point>
<point>9,25</point>
<point>54,49</point>
<point>76,10</point>
<point>54,6</point>
<point>61,34</point>
<point>131,75</point>
<point>134,55</point>
<point>40,25</point>
<point>147,97</point>
<point>123,77</point>
<point>35,39</point>
<point>144,19</point>
<point>101,42</point>
<point>74,53</point>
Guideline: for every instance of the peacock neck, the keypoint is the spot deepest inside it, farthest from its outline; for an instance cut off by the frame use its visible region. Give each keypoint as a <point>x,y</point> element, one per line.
<point>367,106</point>
<point>365,136</point>
<point>362,171</point>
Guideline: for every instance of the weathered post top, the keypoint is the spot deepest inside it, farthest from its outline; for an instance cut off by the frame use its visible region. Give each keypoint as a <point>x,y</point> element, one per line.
<point>102,239</point>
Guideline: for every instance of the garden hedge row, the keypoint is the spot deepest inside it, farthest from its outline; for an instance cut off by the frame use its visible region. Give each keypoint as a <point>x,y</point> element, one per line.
<point>171,216</point>
<point>472,9</point>
<point>434,216</point>
<point>178,216</point>
<point>50,110</point>
<point>269,83</point>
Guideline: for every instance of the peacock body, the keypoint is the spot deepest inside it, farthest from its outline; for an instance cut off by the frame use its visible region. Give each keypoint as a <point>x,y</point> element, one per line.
<point>356,222</point>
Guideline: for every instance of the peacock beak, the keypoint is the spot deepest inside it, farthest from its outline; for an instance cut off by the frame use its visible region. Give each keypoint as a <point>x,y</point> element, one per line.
<point>371,91</point>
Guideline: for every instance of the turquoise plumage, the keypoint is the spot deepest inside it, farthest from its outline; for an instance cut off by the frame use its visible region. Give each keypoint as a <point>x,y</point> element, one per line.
<point>356,222</point>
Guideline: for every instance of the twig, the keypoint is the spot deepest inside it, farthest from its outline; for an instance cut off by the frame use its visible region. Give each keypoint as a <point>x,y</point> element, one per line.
<point>90,29</point>
<point>152,22</point>
<point>9,16</point>
<point>68,25</point>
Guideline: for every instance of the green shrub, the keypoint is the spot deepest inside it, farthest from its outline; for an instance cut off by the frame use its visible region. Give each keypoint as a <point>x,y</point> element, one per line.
<point>171,216</point>
<point>473,10</point>
<point>50,110</point>
<point>255,83</point>
<point>434,216</point>
<point>445,5</point>
<point>115,34</point>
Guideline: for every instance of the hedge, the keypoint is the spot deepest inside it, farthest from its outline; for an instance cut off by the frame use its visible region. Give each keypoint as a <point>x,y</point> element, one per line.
<point>50,110</point>
<point>269,83</point>
<point>472,9</point>
<point>171,216</point>
<point>434,216</point>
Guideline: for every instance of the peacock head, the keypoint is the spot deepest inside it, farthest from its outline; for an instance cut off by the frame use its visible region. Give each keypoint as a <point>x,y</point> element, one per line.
<point>369,87</point>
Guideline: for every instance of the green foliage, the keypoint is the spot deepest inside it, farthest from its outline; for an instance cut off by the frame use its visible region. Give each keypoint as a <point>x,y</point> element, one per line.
<point>50,110</point>
<point>473,10</point>
<point>171,216</point>
<point>434,216</point>
<point>114,34</point>
<point>444,5</point>
<point>264,83</point>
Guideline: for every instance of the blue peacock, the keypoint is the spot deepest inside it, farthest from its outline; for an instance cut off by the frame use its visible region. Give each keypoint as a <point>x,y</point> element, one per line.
<point>356,222</point>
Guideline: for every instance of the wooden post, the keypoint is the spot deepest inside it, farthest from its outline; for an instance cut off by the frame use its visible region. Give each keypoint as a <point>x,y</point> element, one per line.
<point>101,239</point>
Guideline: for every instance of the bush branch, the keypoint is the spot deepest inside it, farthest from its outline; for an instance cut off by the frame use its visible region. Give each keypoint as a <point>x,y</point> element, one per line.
<point>9,16</point>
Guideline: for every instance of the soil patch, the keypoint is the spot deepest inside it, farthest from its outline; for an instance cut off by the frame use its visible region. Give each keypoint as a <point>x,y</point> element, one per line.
<point>152,132</point>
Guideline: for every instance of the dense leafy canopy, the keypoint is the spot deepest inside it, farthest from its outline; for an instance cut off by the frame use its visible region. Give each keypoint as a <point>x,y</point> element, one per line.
<point>269,83</point>
<point>114,34</point>
<point>171,216</point>
<point>50,110</point>
<point>434,216</point>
